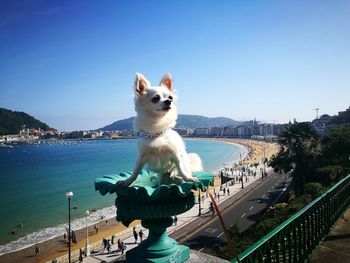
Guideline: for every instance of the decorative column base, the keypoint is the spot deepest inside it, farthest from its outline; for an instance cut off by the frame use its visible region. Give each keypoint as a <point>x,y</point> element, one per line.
<point>158,247</point>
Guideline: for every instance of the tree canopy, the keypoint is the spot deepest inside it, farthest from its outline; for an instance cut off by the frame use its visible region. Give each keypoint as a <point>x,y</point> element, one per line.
<point>11,122</point>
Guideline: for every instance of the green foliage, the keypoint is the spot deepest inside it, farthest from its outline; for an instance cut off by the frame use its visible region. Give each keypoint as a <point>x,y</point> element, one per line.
<point>336,147</point>
<point>266,226</point>
<point>328,174</point>
<point>299,150</point>
<point>11,122</point>
<point>313,189</point>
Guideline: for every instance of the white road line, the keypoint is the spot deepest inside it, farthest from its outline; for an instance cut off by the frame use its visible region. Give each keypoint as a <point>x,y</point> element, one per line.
<point>220,235</point>
<point>251,207</point>
<point>243,215</point>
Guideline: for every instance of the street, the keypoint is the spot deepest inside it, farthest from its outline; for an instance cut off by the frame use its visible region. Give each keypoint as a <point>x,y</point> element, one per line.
<point>244,213</point>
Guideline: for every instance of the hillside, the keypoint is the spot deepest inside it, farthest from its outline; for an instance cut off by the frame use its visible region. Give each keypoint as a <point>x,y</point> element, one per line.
<point>183,121</point>
<point>11,122</point>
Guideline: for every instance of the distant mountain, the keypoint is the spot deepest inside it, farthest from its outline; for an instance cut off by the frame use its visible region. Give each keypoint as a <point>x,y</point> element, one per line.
<point>11,122</point>
<point>183,121</point>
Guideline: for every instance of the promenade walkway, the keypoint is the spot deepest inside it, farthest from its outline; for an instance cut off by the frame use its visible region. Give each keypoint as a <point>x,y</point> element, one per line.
<point>335,247</point>
<point>183,220</point>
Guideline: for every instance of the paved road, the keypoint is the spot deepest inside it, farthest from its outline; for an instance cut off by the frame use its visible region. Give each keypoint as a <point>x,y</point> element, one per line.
<point>244,213</point>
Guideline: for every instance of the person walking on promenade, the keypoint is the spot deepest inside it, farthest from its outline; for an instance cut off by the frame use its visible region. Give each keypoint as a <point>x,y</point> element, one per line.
<point>119,244</point>
<point>123,247</point>
<point>113,237</point>
<point>141,234</point>
<point>175,220</point>
<point>211,208</point>
<point>108,246</point>
<point>104,242</point>
<point>135,234</point>
<point>228,191</point>
<point>80,255</point>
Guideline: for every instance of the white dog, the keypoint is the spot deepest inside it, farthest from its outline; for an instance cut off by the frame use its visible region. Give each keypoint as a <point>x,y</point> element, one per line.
<point>160,147</point>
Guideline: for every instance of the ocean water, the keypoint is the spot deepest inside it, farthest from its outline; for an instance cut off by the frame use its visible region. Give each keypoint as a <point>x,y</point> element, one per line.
<point>35,177</point>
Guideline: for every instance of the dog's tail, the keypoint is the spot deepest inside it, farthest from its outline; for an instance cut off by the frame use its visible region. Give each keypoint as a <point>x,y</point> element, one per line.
<point>196,162</point>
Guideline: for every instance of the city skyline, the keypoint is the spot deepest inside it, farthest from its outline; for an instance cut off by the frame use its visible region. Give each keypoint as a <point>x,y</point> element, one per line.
<point>72,64</point>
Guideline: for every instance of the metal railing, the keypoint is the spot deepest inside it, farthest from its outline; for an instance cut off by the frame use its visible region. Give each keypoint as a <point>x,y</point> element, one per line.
<point>296,238</point>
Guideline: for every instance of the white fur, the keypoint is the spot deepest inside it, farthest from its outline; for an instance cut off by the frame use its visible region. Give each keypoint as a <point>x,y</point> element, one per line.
<point>163,150</point>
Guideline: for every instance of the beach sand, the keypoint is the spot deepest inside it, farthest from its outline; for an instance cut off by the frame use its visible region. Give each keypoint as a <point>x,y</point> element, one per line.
<point>57,247</point>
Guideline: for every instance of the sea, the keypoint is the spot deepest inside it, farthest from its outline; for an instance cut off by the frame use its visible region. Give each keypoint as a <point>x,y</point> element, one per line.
<point>36,176</point>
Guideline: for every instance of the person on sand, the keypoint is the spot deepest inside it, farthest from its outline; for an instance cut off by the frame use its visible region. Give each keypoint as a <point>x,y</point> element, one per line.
<point>37,250</point>
<point>135,234</point>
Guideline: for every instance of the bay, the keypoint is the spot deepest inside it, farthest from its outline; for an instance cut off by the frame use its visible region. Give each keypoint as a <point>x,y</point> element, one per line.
<point>35,177</point>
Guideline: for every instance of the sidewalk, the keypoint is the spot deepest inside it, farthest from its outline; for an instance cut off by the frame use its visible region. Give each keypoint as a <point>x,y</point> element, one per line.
<point>183,220</point>
<point>335,247</point>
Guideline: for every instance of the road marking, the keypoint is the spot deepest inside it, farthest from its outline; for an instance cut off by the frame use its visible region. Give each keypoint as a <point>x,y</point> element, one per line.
<point>220,235</point>
<point>210,230</point>
<point>243,215</point>
<point>251,207</point>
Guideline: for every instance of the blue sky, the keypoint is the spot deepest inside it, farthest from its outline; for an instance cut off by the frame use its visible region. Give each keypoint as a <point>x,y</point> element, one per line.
<point>72,64</point>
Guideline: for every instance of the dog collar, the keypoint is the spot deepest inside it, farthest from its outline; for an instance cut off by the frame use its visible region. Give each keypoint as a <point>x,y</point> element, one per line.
<point>150,135</point>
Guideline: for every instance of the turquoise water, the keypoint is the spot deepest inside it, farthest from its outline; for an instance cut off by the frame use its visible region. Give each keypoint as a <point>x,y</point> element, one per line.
<point>35,178</point>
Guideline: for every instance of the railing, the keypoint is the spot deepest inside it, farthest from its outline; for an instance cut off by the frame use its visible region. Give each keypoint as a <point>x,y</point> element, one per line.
<point>296,238</point>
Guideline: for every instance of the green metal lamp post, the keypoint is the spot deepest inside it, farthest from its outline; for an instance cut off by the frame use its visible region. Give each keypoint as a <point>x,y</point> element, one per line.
<point>154,205</point>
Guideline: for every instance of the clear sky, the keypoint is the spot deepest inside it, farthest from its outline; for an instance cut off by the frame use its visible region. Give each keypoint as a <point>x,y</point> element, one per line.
<point>72,64</point>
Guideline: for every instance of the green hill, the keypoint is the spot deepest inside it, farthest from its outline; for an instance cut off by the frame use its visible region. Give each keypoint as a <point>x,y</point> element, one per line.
<point>11,122</point>
<point>183,121</point>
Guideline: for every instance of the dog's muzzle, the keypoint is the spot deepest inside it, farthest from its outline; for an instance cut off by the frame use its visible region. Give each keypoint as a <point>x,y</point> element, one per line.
<point>167,104</point>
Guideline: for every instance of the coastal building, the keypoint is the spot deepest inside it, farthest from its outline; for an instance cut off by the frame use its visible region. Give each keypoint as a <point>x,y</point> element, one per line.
<point>230,131</point>
<point>216,131</point>
<point>201,132</point>
<point>183,131</point>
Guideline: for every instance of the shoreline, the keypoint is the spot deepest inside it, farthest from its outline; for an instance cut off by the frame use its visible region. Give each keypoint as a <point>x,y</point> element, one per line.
<point>55,247</point>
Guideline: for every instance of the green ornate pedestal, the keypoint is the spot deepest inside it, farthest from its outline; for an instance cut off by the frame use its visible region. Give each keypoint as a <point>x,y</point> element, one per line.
<point>154,206</point>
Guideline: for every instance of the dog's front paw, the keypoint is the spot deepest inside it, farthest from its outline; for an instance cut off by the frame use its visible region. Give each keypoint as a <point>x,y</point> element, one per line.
<point>124,183</point>
<point>191,179</point>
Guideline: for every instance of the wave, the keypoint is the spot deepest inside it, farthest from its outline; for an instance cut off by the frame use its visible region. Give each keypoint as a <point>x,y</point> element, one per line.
<point>52,232</point>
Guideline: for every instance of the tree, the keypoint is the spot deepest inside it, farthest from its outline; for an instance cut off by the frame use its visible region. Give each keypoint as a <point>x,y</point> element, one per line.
<point>299,149</point>
<point>336,147</point>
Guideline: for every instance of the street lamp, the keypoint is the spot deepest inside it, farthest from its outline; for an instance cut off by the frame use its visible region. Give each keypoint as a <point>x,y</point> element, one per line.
<point>87,247</point>
<point>69,196</point>
<point>199,202</point>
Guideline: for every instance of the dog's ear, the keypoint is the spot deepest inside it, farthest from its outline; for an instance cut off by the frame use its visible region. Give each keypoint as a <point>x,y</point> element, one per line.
<point>167,81</point>
<point>141,84</point>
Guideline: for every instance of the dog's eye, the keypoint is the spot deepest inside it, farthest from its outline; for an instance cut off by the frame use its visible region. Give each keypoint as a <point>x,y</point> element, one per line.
<point>170,97</point>
<point>156,99</point>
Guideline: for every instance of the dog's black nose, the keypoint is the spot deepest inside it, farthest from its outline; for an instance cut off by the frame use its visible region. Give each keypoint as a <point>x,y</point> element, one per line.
<point>167,102</point>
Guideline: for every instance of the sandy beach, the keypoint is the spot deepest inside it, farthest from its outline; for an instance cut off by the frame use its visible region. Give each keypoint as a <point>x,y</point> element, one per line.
<point>57,247</point>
